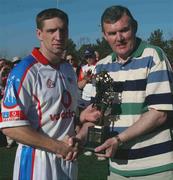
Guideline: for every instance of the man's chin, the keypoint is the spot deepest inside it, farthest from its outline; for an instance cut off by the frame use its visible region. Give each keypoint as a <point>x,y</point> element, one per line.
<point>58,51</point>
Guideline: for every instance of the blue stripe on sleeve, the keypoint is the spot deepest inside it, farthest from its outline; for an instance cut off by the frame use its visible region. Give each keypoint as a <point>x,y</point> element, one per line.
<point>158,76</point>
<point>166,98</point>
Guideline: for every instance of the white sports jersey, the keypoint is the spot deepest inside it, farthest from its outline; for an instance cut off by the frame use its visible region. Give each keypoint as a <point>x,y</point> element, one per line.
<point>44,97</point>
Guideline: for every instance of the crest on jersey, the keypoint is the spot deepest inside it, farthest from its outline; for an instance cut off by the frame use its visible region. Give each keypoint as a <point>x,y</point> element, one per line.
<point>66,99</point>
<point>50,83</point>
<point>10,98</point>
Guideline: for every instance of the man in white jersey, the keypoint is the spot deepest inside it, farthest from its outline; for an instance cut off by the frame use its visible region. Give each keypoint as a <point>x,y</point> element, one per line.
<point>143,85</point>
<point>39,106</point>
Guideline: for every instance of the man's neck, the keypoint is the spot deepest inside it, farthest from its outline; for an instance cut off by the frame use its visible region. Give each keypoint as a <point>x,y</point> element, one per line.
<point>54,59</point>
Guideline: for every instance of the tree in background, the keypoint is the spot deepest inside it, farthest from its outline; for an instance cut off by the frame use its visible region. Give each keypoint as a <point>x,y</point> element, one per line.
<point>169,51</point>
<point>157,38</point>
<point>71,47</point>
<point>102,47</point>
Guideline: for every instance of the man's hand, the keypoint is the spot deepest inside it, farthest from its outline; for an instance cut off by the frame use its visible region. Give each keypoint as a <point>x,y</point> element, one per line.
<point>90,114</point>
<point>76,144</point>
<point>88,76</point>
<point>110,146</point>
<point>70,148</point>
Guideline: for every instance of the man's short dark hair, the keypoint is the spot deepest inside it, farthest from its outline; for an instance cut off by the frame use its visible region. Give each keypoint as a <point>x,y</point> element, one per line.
<point>49,14</point>
<point>114,13</point>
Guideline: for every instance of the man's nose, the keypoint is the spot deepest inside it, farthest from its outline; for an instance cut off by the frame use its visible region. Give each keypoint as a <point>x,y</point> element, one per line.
<point>57,35</point>
<point>120,36</point>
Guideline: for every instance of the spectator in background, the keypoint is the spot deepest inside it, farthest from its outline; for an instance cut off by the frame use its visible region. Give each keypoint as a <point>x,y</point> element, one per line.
<point>2,136</point>
<point>73,61</point>
<point>2,62</point>
<point>16,60</point>
<point>97,55</point>
<point>5,70</point>
<point>85,82</point>
<point>85,78</point>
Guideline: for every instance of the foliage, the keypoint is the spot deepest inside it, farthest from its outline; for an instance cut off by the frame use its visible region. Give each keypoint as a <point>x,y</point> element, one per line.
<point>169,50</point>
<point>103,47</point>
<point>157,38</point>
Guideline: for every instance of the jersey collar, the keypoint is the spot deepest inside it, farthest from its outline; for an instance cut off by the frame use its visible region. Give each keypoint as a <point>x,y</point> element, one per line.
<point>39,56</point>
<point>42,59</point>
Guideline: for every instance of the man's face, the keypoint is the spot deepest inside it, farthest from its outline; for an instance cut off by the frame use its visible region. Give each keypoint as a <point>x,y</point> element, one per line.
<point>70,59</point>
<point>53,36</point>
<point>90,60</point>
<point>120,36</point>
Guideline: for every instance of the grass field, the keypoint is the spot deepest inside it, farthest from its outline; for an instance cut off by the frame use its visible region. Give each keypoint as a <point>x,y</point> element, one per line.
<point>89,167</point>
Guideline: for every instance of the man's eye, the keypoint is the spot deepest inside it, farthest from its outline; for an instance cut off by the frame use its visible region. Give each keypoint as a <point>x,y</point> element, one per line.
<point>112,33</point>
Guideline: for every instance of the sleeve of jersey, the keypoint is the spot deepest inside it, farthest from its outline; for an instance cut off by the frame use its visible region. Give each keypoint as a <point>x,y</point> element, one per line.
<point>13,105</point>
<point>159,90</point>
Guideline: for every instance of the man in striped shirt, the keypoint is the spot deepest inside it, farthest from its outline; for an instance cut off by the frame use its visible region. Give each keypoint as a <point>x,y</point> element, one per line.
<point>143,81</point>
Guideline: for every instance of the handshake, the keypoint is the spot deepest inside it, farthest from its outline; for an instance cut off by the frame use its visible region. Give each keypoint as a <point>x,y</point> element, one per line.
<point>68,148</point>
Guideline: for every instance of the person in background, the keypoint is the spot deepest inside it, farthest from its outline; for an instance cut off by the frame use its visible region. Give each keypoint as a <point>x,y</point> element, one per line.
<point>97,55</point>
<point>85,78</point>
<point>73,61</point>
<point>39,105</point>
<point>2,62</point>
<point>85,82</point>
<point>16,60</point>
<point>5,70</point>
<point>2,136</point>
<point>143,83</point>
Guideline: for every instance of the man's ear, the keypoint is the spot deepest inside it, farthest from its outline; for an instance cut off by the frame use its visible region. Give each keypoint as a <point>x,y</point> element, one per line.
<point>39,34</point>
<point>103,33</point>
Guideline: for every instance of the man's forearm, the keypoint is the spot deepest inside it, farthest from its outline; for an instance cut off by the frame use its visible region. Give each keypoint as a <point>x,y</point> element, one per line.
<point>29,136</point>
<point>146,123</point>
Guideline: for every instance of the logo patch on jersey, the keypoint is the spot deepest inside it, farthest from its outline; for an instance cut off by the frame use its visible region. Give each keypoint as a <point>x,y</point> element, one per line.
<point>66,99</point>
<point>13,115</point>
<point>5,115</point>
<point>50,83</point>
